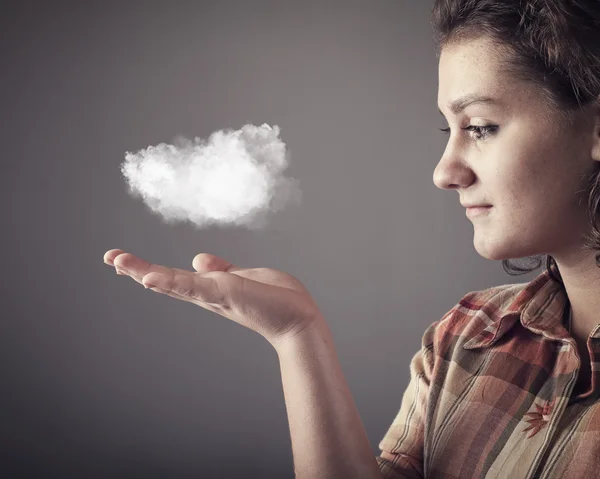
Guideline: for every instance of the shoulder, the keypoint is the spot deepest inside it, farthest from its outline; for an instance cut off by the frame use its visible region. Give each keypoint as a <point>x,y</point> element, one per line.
<point>474,313</point>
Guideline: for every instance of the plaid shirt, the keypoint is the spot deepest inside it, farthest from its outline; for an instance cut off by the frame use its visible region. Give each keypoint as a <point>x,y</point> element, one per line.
<point>490,393</point>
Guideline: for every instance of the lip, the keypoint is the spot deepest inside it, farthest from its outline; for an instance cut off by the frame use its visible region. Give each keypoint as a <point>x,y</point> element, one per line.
<point>478,210</point>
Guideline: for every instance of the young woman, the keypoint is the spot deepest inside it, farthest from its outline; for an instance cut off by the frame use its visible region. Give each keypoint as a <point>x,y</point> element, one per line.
<point>506,384</point>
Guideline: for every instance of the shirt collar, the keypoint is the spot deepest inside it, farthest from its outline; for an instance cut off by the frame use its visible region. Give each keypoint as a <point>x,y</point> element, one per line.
<point>540,305</point>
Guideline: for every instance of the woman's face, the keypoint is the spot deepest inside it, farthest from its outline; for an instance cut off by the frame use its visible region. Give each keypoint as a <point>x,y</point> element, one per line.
<point>528,170</point>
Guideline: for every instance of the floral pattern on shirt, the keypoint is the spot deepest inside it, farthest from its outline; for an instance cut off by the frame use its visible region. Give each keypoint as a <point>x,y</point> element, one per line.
<point>540,418</point>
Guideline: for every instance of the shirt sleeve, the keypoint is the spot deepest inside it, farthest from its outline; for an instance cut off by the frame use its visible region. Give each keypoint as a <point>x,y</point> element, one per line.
<point>401,448</point>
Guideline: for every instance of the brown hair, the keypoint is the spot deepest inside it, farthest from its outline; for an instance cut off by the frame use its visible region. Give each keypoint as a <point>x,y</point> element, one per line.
<point>554,44</point>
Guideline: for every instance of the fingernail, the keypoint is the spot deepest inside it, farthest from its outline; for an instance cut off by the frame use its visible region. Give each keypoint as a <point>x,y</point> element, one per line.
<point>120,271</point>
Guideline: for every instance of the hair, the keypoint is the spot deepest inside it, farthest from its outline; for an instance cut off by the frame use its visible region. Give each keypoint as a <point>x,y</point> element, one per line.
<point>552,44</point>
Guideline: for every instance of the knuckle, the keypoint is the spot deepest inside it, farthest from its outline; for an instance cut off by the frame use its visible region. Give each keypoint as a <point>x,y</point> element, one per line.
<point>209,290</point>
<point>183,287</point>
<point>182,291</point>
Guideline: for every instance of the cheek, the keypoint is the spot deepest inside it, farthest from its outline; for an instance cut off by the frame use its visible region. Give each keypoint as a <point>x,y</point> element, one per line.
<point>529,172</point>
<point>511,180</point>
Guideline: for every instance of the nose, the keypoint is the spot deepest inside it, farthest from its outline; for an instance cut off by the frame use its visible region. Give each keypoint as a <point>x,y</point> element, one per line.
<point>452,173</point>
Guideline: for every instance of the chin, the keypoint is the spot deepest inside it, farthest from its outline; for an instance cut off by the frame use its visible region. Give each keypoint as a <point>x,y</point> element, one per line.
<point>501,250</point>
<point>492,257</point>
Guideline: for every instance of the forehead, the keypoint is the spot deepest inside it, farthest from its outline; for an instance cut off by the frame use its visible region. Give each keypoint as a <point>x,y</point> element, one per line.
<point>471,68</point>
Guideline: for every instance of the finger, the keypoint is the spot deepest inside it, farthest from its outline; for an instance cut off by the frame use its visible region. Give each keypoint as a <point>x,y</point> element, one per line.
<point>110,255</point>
<point>177,287</point>
<point>194,288</point>
<point>205,262</point>
<point>148,279</point>
<point>138,268</point>
<point>175,282</point>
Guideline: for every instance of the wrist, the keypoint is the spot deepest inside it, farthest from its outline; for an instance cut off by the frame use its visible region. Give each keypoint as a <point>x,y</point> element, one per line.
<point>311,332</point>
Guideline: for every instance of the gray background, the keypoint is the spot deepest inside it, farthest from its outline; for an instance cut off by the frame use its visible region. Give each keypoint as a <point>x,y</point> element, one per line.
<point>102,378</point>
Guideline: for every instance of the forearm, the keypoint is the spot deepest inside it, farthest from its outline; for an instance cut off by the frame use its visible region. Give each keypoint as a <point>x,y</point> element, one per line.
<point>328,438</point>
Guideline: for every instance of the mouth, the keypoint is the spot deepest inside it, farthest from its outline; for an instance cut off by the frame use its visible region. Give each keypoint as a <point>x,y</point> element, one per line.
<point>478,210</point>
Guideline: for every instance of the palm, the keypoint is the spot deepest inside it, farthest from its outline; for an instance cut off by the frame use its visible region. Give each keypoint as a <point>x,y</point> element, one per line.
<point>270,302</point>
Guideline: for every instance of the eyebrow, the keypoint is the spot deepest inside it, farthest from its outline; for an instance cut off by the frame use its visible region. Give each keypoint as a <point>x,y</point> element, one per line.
<point>461,103</point>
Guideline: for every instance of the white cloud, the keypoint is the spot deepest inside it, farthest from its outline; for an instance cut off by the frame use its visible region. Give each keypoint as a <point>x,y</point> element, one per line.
<point>234,177</point>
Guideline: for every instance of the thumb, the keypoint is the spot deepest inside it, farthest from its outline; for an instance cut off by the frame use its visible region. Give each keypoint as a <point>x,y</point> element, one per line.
<point>206,262</point>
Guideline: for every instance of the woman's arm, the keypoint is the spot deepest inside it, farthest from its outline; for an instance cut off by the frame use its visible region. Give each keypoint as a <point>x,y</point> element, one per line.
<point>327,434</point>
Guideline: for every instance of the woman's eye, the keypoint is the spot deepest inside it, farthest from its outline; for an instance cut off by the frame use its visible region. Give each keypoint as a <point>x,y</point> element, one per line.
<point>482,131</point>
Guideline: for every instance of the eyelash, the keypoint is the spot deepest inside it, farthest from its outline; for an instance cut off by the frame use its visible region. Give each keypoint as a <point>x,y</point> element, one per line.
<point>483,131</point>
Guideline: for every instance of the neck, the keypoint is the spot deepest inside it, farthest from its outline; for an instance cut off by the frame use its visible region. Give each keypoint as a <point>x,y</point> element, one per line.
<point>581,278</point>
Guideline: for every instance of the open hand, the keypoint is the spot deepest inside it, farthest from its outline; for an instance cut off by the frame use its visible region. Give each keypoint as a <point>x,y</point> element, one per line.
<point>272,303</point>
